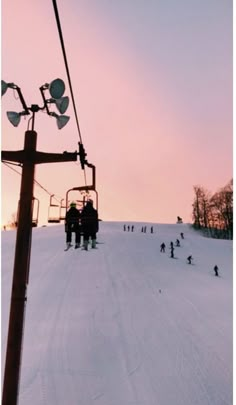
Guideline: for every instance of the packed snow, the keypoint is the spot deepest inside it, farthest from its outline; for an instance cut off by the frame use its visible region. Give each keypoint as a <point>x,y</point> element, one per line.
<point>125,324</point>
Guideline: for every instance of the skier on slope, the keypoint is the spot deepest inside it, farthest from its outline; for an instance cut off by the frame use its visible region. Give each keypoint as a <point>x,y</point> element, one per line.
<point>162,246</point>
<point>72,225</point>
<point>177,242</point>
<point>190,258</point>
<point>89,221</point>
<point>216,271</point>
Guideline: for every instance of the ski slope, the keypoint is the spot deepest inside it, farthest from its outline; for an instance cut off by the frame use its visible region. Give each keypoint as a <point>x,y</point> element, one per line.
<point>124,324</point>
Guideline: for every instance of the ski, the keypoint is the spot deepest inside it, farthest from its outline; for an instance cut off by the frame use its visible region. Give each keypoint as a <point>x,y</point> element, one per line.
<point>67,248</point>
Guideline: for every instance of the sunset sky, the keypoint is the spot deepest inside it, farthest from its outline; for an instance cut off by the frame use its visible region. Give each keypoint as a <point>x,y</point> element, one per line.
<point>152,81</point>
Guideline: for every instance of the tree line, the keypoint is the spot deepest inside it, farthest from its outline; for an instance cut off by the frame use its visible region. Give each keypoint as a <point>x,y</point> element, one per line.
<point>213,214</point>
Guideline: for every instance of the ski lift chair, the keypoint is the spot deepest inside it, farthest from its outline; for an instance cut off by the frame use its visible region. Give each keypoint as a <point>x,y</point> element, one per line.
<point>63,207</point>
<point>54,219</point>
<point>35,212</point>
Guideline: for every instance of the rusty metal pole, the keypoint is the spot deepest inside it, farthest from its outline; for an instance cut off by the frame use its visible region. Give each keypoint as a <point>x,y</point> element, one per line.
<point>20,275</point>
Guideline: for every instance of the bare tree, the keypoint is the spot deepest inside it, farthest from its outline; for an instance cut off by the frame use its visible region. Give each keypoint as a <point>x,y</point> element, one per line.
<point>214,213</point>
<point>222,202</point>
<point>201,207</point>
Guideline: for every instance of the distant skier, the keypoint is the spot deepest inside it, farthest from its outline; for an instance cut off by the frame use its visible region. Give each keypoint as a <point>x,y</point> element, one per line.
<point>216,270</point>
<point>171,245</point>
<point>163,247</point>
<point>172,252</point>
<point>177,243</point>
<point>128,228</point>
<point>151,229</point>
<point>132,228</point>
<point>144,229</point>
<point>190,258</point>
<point>124,227</point>
<point>182,235</point>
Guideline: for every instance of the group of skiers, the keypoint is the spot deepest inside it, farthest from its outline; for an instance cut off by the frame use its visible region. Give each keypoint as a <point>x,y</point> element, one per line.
<point>189,258</point>
<point>177,243</point>
<point>84,222</point>
<point>143,229</point>
<point>128,228</point>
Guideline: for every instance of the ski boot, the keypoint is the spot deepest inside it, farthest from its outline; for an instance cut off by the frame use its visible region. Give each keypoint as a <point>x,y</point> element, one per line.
<point>85,247</point>
<point>93,243</point>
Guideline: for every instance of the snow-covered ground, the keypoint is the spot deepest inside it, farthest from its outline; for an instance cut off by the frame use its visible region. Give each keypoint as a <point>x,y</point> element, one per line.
<point>125,324</point>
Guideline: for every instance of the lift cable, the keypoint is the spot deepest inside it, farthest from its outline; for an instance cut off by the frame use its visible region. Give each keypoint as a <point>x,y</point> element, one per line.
<point>67,70</point>
<point>35,181</point>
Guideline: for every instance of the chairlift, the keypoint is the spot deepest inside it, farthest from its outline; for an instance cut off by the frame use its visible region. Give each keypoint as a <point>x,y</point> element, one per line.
<point>35,212</point>
<point>86,197</point>
<point>85,189</point>
<point>63,207</point>
<point>54,212</point>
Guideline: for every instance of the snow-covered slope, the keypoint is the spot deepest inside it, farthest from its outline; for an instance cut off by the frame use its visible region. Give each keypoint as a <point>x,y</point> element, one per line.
<point>124,324</point>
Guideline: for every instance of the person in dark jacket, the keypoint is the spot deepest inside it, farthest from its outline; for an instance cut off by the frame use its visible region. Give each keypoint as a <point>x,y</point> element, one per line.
<point>216,271</point>
<point>177,242</point>
<point>72,225</point>
<point>89,222</point>
<point>189,259</point>
<point>163,247</point>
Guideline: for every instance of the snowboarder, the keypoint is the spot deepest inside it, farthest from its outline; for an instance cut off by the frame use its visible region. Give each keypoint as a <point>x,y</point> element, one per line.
<point>216,270</point>
<point>163,247</point>
<point>182,235</point>
<point>89,221</point>
<point>190,258</point>
<point>177,243</point>
<point>72,225</point>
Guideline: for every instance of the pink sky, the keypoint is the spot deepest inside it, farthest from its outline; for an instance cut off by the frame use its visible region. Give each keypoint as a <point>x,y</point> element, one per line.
<point>153,91</point>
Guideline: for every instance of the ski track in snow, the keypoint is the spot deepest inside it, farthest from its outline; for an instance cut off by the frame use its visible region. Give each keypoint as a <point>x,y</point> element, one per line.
<point>125,324</point>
